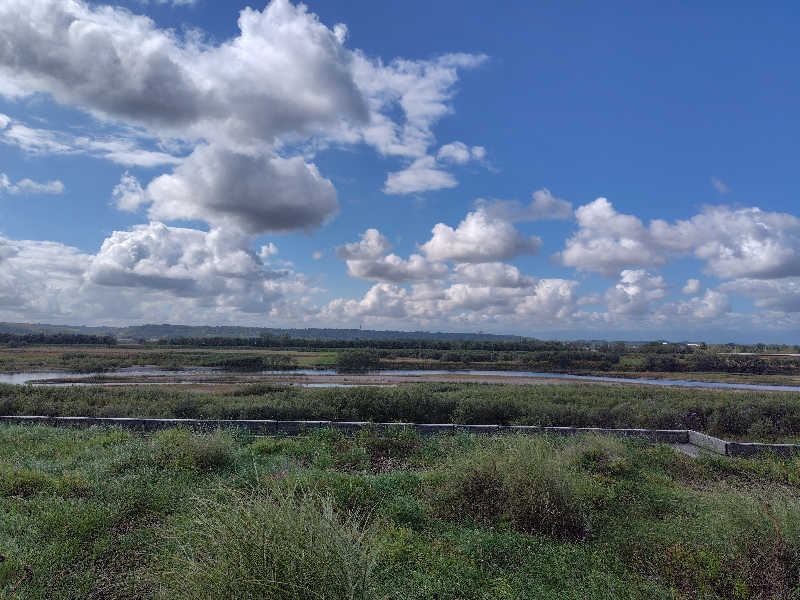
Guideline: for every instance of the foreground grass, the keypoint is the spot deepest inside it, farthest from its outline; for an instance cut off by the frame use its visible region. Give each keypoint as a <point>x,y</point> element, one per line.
<point>105,513</point>
<point>756,416</point>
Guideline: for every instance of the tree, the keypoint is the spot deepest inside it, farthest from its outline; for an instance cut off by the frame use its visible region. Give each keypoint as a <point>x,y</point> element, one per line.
<point>357,360</point>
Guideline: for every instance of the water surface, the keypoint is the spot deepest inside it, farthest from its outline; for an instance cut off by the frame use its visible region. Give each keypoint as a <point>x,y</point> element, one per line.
<point>32,377</point>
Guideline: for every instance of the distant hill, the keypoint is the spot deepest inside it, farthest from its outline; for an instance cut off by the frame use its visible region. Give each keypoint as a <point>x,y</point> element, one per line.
<point>154,331</point>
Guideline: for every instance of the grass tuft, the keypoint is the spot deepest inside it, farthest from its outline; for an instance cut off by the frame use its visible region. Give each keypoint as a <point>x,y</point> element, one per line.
<point>523,481</point>
<point>287,545</point>
<point>183,449</point>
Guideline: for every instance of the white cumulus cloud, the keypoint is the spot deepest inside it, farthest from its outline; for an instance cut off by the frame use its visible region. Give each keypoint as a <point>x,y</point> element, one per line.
<point>253,193</point>
<point>478,238</point>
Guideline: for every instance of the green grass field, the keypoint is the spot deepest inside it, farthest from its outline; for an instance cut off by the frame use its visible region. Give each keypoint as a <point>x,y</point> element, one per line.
<point>105,513</point>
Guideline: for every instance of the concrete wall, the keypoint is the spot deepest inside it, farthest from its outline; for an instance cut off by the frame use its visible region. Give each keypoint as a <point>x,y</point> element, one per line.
<point>708,442</point>
<point>270,427</point>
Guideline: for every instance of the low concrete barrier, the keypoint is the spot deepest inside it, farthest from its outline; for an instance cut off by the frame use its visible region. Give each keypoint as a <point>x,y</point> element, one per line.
<point>664,436</point>
<point>271,427</point>
<point>745,449</point>
<point>481,429</point>
<point>299,427</point>
<point>560,430</point>
<point>708,442</point>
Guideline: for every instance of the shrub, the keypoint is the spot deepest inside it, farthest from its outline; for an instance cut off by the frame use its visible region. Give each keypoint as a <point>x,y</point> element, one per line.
<point>29,482</point>
<point>357,360</point>
<point>526,482</point>
<point>243,363</point>
<point>183,449</point>
<point>278,545</point>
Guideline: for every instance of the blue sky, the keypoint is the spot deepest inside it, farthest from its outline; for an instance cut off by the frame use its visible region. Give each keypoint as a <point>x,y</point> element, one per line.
<point>573,171</point>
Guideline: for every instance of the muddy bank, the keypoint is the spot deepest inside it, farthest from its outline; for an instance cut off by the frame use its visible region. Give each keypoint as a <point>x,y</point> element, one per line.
<point>216,380</point>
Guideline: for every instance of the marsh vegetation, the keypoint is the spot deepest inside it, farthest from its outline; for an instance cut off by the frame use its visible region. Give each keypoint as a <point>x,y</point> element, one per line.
<point>755,416</point>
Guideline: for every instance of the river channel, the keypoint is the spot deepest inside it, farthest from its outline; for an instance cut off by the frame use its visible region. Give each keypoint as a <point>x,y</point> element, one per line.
<point>151,375</point>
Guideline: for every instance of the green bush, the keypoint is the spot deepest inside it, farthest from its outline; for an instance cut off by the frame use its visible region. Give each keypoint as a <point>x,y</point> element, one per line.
<point>29,482</point>
<point>243,363</point>
<point>357,360</point>
<point>183,449</point>
<point>526,482</point>
<point>277,545</point>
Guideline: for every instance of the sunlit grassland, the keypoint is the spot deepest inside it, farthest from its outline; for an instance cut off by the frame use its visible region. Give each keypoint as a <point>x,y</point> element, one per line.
<point>105,513</point>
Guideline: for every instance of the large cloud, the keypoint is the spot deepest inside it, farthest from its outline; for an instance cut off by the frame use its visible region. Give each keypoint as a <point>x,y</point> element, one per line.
<point>508,299</point>
<point>367,259</point>
<point>478,238</point>
<point>776,294</point>
<point>635,291</point>
<point>711,305</point>
<point>252,193</point>
<point>608,241</point>
<point>185,261</point>
<point>372,245</point>
<point>550,301</point>
<point>421,90</point>
<point>311,90</point>
<point>495,274</point>
<point>746,242</point>
<point>40,280</point>
<point>150,273</point>
<point>120,65</point>
<point>395,269</point>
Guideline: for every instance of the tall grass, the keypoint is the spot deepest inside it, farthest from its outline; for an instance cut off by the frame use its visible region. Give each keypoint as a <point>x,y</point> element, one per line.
<point>283,545</point>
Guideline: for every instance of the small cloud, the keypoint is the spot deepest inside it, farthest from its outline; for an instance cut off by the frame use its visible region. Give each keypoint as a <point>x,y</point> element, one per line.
<point>543,207</point>
<point>317,255</point>
<point>692,287</point>
<point>478,152</point>
<point>459,153</point>
<point>28,186</point>
<point>128,194</point>
<point>423,175</point>
<point>268,250</point>
<point>720,186</point>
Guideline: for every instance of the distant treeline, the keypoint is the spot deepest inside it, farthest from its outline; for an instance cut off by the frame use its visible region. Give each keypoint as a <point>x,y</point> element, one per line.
<point>711,362</point>
<point>285,341</point>
<point>26,339</point>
